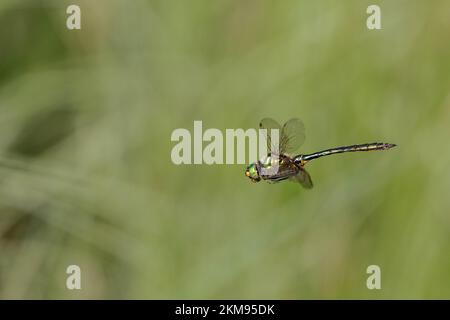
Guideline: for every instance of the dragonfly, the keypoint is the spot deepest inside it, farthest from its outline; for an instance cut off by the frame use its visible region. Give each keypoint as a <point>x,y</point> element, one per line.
<point>282,161</point>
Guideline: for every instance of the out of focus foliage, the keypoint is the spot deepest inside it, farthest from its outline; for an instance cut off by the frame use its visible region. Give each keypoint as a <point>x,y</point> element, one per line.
<point>86,176</point>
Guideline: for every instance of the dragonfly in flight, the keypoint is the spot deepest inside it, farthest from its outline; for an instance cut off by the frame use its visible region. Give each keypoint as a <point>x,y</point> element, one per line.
<point>282,163</point>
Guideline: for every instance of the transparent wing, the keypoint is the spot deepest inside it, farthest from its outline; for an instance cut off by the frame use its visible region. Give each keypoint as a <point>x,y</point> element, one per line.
<point>270,124</point>
<point>303,178</point>
<point>292,136</point>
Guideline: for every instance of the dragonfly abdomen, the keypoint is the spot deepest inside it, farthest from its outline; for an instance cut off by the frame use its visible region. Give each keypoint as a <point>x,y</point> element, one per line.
<point>353,148</point>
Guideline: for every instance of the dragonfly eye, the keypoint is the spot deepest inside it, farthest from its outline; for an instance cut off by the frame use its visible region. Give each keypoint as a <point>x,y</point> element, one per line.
<point>252,173</point>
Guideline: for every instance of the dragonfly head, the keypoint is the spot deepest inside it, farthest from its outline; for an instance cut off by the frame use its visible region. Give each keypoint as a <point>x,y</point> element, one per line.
<point>252,173</point>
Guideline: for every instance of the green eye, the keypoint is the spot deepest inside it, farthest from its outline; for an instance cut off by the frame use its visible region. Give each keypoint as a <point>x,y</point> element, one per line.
<point>252,172</point>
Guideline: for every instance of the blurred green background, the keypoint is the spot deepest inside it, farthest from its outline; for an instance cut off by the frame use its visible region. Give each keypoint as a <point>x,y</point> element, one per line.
<point>86,176</point>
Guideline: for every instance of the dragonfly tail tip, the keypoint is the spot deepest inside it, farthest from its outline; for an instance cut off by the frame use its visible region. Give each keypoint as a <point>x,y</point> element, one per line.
<point>390,145</point>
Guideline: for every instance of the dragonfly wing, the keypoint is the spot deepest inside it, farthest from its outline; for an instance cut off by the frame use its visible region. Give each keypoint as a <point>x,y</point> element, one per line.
<point>292,136</point>
<point>303,178</point>
<point>269,124</point>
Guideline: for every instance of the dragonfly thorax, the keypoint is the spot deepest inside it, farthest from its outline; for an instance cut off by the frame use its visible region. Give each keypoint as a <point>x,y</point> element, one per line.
<point>269,162</point>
